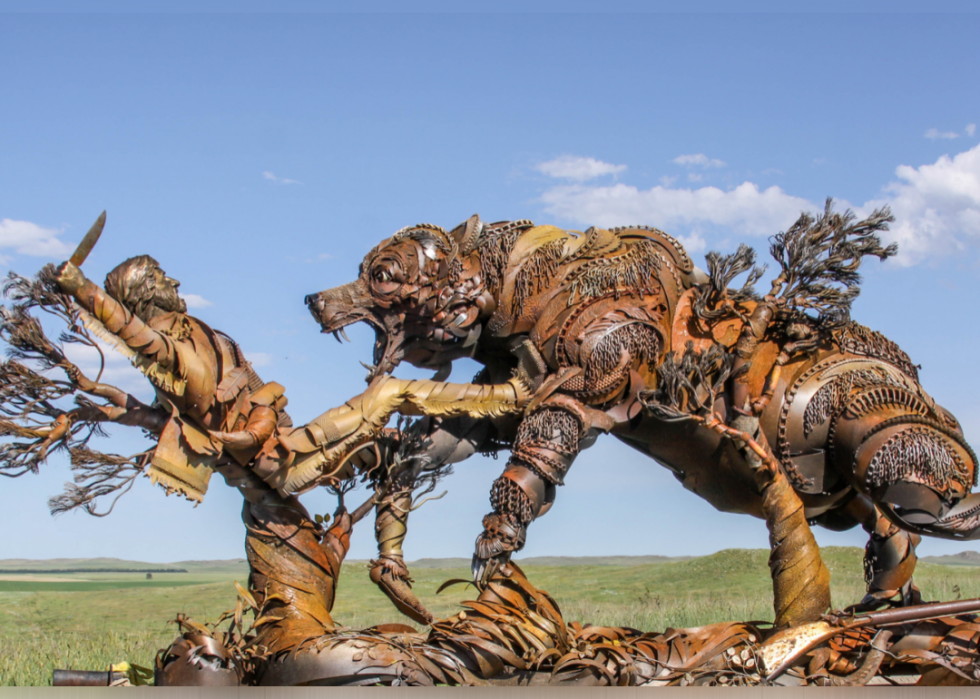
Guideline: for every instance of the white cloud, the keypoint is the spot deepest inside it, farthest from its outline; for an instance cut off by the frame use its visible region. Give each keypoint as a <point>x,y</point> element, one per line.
<point>577,169</point>
<point>694,177</point>
<point>694,241</point>
<point>699,160</point>
<point>28,238</point>
<point>278,180</point>
<point>970,129</point>
<point>667,181</point>
<point>936,133</point>
<point>936,207</point>
<point>195,301</point>
<point>257,359</point>
<point>744,209</point>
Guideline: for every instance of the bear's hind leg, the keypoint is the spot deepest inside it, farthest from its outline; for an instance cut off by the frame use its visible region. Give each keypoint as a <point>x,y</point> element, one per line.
<point>889,558</point>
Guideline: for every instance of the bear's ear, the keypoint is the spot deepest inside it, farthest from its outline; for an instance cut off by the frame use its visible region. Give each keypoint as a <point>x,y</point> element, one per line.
<point>468,234</point>
<point>430,248</point>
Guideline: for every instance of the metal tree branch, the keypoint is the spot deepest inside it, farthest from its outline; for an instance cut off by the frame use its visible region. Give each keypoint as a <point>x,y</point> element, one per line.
<point>34,406</point>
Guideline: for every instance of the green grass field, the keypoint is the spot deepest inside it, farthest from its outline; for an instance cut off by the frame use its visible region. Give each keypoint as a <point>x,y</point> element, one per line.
<point>87,621</point>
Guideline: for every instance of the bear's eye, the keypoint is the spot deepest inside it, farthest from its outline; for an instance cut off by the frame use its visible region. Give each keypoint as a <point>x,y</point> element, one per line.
<point>382,275</point>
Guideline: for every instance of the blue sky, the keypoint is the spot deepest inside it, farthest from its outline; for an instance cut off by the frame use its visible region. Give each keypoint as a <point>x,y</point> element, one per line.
<point>260,156</point>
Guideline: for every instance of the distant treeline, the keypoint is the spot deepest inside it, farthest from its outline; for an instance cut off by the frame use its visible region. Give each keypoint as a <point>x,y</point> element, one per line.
<point>37,571</point>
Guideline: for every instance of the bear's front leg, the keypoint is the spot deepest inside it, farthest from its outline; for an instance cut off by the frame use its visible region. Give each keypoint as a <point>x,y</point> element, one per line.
<point>547,442</point>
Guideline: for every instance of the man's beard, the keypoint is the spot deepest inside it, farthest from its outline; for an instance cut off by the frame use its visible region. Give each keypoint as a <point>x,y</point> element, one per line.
<point>170,301</point>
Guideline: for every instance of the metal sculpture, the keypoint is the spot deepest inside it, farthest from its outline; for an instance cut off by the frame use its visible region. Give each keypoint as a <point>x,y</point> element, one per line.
<point>580,334</point>
<point>617,331</point>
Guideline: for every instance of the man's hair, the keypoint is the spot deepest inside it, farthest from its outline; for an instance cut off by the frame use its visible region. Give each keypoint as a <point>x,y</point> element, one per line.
<point>132,283</point>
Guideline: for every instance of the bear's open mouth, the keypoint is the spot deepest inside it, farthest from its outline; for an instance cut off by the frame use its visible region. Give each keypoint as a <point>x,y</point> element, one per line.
<point>424,342</point>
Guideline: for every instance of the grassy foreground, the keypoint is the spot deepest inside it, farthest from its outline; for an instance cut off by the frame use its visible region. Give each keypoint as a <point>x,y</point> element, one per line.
<point>88,621</point>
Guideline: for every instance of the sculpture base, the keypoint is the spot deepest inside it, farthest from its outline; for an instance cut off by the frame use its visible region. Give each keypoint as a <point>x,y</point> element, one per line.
<point>514,635</point>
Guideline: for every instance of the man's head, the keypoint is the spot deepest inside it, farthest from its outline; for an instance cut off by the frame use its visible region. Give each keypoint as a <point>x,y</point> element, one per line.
<point>142,287</point>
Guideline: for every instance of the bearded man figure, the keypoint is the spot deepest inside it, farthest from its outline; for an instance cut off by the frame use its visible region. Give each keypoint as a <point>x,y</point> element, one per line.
<point>220,411</point>
<point>213,413</point>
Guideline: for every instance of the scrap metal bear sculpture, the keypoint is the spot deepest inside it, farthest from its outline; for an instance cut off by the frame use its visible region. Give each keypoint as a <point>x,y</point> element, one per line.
<point>617,331</point>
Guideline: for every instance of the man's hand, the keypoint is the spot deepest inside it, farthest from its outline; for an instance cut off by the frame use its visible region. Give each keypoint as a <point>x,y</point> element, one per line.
<point>70,278</point>
<point>235,440</point>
